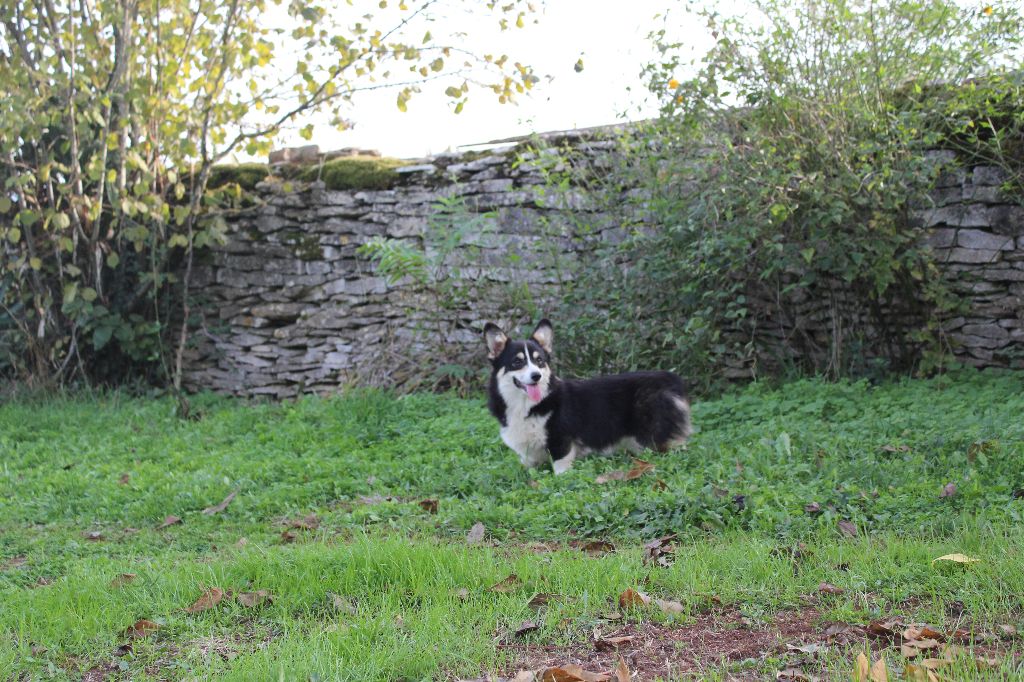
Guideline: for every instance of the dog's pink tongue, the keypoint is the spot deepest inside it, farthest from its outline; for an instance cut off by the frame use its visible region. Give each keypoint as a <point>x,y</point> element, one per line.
<point>533,392</point>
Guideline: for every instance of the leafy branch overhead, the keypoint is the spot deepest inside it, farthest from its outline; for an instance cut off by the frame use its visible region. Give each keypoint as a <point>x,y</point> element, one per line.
<point>114,114</point>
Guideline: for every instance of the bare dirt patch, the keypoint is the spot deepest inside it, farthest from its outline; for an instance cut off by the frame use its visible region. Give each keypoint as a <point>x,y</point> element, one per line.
<point>725,636</point>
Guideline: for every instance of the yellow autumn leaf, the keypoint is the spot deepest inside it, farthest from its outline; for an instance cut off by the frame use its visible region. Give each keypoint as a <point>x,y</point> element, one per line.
<point>957,559</point>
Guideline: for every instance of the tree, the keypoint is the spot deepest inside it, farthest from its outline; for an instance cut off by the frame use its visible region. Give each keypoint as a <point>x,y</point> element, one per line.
<point>114,113</point>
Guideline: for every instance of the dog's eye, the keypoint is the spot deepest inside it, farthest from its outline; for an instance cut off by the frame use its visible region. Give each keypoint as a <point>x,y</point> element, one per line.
<point>517,364</point>
<point>538,362</point>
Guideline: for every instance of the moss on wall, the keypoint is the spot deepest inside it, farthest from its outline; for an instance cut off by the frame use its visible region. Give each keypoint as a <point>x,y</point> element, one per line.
<point>355,173</point>
<point>245,175</point>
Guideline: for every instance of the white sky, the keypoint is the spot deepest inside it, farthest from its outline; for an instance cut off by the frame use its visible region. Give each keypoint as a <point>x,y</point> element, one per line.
<point>609,35</point>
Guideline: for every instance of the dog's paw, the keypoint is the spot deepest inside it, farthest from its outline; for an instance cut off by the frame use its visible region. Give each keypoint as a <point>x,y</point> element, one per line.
<point>560,466</point>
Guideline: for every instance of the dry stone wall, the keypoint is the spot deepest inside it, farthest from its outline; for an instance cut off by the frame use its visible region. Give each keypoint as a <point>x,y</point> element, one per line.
<point>289,306</point>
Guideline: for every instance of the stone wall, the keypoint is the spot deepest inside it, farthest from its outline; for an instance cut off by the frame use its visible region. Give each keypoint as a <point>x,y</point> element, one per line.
<point>290,307</point>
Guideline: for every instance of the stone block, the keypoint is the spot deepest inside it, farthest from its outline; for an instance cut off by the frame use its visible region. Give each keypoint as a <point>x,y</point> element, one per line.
<point>990,330</point>
<point>1006,219</point>
<point>961,255</point>
<point>988,175</point>
<point>941,237</point>
<point>978,239</point>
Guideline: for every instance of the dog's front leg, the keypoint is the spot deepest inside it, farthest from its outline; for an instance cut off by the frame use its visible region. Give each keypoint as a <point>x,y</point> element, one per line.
<point>562,464</point>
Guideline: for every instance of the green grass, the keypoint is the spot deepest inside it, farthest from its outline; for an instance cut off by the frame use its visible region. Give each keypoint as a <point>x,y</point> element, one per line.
<point>877,456</point>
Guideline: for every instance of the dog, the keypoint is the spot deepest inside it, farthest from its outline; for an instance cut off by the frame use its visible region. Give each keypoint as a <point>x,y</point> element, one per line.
<point>542,416</point>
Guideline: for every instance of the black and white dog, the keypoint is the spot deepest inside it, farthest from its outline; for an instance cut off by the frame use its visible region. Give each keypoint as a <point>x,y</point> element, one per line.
<point>542,415</point>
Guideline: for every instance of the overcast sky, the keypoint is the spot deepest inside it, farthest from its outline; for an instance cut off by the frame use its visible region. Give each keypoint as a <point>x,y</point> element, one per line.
<point>609,35</point>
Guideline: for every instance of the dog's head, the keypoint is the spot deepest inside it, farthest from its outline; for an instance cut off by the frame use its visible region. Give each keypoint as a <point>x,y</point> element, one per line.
<point>521,369</point>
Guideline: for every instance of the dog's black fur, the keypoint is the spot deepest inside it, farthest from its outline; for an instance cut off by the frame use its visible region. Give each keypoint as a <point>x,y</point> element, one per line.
<point>571,418</point>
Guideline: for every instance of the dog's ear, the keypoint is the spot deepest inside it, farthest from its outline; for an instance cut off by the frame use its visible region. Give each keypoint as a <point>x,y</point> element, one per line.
<point>544,334</point>
<point>495,339</point>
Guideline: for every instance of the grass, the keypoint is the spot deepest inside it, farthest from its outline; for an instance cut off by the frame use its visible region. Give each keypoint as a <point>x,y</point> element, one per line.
<point>374,591</point>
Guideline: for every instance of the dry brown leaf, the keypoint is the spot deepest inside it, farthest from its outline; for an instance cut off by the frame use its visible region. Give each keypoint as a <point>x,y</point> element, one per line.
<point>476,534</point>
<point>812,508</point>
<point>462,594</point>
<point>669,607</point>
<point>879,673</point>
<point>1007,631</point>
<point>948,490</point>
<point>610,643</point>
<point>524,676</point>
<point>125,478</point>
<point>218,508</point>
<point>509,584</point>
<point>41,581</point>
<point>287,536</point>
<point>540,599</point>
<point>632,599</point>
<point>934,663</point>
<point>613,616</point>
<point>621,671</point>
<point>811,648</point>
<point>14,562</point>
<point>848,528</point>
<point>916,673</point>
<point>252,599</point>
<point>640,467</point>
<point>429,506</point>
<point>573,673</point>
<point>862,668</point>
<point>525,627</point>
<point>140,629</point>
<point>598,547</point>
<point>829,588</point>
<point>122,579</point>
<point>341,604</point>
<point>886,629</point>
<point>659,485</point>
<point>307,522</point>
<point>96,536</point>
<point>207,600</point>
<point>170,520</point>
<point>792,674</point>
<point>616,475</point>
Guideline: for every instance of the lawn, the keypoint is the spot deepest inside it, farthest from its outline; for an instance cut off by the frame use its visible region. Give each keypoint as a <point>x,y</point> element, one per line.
<point>805,516</point>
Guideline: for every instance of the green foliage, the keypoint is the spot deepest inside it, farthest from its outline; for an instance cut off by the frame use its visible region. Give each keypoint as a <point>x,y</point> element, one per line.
<point>878,456</point>
<point>443,269</point>
<point>783,171</point>
<point>113,117</point>
<point>355,173</point>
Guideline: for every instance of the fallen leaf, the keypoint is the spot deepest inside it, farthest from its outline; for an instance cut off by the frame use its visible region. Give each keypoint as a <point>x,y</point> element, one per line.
<point>141,629</point>
<point>613,616</point>
<point>948,490</point>
<point>848,528</point>
<point>307,522</point>
<point>216,509</point>
<point>669,606</point>
<point>242,542</point>
<point>525,628</point>
<point>640,467</point>
<point>659,550</point>
<point>792,674</point>
<point>862,669</point>
<point>598,547</point>
<point>93,535</point>
<point>41,581</point>
<point>879,673</point>
<point>340,604</point>
<point>1007,631</point>
<point>957,559</point>
<point>617,475</point>
<point>169,521</point>
<point>811,648</point>
<point>124,479</point>
<point>621,671</point>
<point>631,599</point>
<point>287,536</point>
<point>524,676</point>
<point>476,534</point>
<point>252,599</point>
<point>429,505</point>
<point>934,663</point>
<point>207,600</point>
<point>611,643</point>
<point>122,579</point>
<point>916,673</point>
<point>659,485</point>
<point>884,629</point>
<point>829,588</point>
<point>812,508</point>
<point>509,584</point>
<point>540,599</point>
<point>462,594</point>
<point>895,448</point>
<point>572,673</point>
<point>923,632</point>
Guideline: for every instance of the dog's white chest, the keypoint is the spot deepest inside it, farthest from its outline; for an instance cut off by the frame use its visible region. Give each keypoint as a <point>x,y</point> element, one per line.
<point>527,436</point>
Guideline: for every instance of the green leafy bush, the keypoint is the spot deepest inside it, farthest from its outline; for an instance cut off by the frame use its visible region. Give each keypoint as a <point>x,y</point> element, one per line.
<point>783,171</point>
